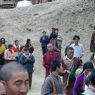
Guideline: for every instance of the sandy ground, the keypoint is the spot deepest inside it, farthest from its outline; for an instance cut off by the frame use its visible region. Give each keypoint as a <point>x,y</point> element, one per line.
<point>70,16</point>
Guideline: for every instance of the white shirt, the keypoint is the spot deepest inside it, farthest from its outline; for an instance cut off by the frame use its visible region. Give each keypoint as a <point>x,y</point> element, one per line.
<point>78,50</point>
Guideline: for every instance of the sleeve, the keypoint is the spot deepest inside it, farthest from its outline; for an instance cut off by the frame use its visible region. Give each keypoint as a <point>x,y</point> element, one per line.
<point>46,88</point>
<point>76,86</point>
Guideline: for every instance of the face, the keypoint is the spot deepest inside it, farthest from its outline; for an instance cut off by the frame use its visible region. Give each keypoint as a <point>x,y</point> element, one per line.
<point>87,71</point>
<point>2,89</point>
<point>50,48</point>
<point>70,54</point>
<point>76,40</point>
<point>60,69</point>
<point>17,42</point>
<point>18,84</point>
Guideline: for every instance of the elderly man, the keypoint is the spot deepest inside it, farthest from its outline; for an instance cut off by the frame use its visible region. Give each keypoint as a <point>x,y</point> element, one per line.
<point>15,78</point>
<point>49,57</point>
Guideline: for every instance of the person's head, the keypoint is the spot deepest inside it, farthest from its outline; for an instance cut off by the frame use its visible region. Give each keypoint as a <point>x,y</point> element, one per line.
<point>44,33</point>
<point>16,42</point>
<point>56,66</point>
<point>88,67</point>
<point>28,41</point>
<point>50,47</point>
<point>31,49</point>
<point>76,39</point>
<point>26,51</point>
<point>2,89</point>
<point>3,40</point>
<point>15,78</point>
<point>92,78</point>
<point>10,46</point>
<point>70,52</point>
<point>53,29</point>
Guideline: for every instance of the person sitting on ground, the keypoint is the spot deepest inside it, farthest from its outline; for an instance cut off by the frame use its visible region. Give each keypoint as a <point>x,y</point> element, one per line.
<point>15,78</point>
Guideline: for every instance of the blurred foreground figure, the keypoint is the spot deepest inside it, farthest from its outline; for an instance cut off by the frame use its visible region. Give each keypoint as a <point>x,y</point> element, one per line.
<point>2,89</point>
<point>15,78</point>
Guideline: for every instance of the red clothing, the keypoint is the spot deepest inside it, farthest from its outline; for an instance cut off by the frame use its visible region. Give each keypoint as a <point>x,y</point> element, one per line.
<point>48,58</point>
<point>15,48</point>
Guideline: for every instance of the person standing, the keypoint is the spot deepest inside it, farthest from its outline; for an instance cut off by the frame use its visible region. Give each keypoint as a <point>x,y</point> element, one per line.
<point>53,84</point>
<point>48,58</point>
<point>44,40</point>
<point>78,48</point>
<point>79,85</point>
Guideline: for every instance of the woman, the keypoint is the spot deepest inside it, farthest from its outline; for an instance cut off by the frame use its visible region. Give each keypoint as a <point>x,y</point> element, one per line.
<point>79,84</point>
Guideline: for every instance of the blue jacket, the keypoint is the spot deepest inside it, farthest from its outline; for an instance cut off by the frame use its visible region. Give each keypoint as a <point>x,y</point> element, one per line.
<point>27,62</point>
<point>44,40</point>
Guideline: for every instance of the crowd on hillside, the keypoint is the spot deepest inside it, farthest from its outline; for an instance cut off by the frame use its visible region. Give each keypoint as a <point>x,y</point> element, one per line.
<point>67,75</point>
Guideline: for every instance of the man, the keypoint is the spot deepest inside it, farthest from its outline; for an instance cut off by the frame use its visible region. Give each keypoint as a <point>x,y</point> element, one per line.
<point>15,78</point>
<point>52,84</point>
<point>49,57</point>
<point>2,89</point>
<point>44,40</point>
<point>78,48</point>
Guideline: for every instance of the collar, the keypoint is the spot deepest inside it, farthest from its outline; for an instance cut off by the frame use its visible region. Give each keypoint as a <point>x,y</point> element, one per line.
<point>66,58</point>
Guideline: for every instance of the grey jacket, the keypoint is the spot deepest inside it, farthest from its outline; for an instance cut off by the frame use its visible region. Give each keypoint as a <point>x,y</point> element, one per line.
<point>47,87</point>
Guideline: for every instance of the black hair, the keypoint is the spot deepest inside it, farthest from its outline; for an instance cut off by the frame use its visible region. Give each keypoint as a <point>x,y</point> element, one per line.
<point>16,41</point>
<point>76,36</point>
<point>92,77</point>
<point>31,49</point>
<point>10,45</point>
<point>3,40</point>
<point>28,41</point>
<point>69,48</point>
<point>55,64</point>
<point>88,65</point>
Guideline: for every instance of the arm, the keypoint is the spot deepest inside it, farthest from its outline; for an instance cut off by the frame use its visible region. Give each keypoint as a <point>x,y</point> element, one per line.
<point>46,88</point>
<point>76,86</point>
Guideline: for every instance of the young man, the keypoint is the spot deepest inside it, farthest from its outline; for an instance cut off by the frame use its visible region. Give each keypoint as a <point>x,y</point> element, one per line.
<point>52,84</point>
<point>78,48</point>
<point>15,78</point>
<point>44,40</point>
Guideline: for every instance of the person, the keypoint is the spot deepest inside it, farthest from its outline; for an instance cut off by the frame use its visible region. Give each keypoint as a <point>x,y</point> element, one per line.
<point>78,48</point>
<point>53,84</point>
<point>28,44</point>
<point>9,54</point>
<point>2,50</point>
<point>4,42</point>
<point>2,89</point>
<point>48,58</point>
<point>16,46</point>
<point>15,78</point>
<point>44,40</point>
<point>28,60</point>
<point>92,45</point>
<point>79,85</point>
<point>90,90</point>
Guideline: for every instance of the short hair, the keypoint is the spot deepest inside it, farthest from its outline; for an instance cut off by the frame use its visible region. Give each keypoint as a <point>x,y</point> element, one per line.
<point>88,65</point>
<point>70,48</point>
<point>55,64</point>
<point>92,77</point>
<point>76,36</point>
<point>9,69</point>
<point>10,45</point>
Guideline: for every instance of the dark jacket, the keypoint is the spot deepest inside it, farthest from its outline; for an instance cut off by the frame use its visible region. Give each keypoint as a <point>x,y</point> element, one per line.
<point>27,62</point>
<point>92,43</point>
<point>44,40</point>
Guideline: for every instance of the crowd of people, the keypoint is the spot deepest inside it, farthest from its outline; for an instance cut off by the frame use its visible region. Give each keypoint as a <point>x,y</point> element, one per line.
<point>67,75</point>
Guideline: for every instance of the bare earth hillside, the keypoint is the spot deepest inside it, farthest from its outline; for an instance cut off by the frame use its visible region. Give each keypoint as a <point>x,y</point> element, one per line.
<point>70,16</point>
